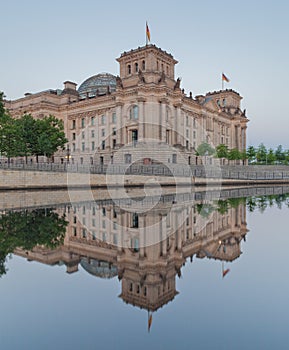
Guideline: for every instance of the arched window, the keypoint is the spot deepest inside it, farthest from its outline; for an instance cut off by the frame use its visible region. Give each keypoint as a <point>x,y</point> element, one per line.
<point>143,65</point>
<point>129,69</point>
<point>136,67</point>
<point>134,113</point>
<point>157,65</point>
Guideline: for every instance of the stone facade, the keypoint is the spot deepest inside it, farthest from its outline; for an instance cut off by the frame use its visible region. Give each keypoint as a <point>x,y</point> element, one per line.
<point>108,241</point>
<point>144,105</point>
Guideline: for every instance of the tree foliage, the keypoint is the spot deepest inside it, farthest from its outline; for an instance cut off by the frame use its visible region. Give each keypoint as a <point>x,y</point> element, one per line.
<point>26,229</point>
<point>205,149</point>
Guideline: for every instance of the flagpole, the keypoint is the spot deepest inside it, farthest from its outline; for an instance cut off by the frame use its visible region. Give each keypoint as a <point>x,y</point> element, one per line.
<point>222,82</point>
<point>146,33</point>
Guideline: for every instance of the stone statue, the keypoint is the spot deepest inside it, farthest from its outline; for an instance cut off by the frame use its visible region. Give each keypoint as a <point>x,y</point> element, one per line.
<point>177,84</point>
<point>140,76</point>
<point>162,78</point>
<point>119,82</point>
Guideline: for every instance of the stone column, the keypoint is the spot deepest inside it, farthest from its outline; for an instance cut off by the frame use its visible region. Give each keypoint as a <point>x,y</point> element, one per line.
<point>119,131</point>
<point>162,119</point>
<point>141,236</point>
<point>164,235</point>
<point>141,119</point>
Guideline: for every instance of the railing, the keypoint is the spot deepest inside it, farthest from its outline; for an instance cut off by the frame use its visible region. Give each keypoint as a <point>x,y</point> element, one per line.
<point>225,172</point>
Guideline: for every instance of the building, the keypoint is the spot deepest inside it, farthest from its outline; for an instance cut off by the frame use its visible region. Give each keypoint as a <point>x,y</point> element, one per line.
<point>142,115</point>
<point>109,242</point>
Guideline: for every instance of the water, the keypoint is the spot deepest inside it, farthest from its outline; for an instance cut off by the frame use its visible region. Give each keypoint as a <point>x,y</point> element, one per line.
<point>100,303</point>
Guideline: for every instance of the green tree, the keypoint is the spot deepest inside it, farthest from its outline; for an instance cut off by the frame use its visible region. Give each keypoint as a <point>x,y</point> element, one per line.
<point>271,158</point>
<point>222,151</point>
<point>280,154</point>
<point>50,136</point>
<point>251,154</point>
<point>234,154</point>
<point>205,149</point>
<point>261,154</point>
<point>26,229</point>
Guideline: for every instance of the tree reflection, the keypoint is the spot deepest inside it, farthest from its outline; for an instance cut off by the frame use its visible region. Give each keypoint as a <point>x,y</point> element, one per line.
<point>26,229</point>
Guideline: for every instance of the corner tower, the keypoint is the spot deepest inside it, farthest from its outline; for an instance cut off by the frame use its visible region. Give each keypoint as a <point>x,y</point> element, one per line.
<point>148,63</point>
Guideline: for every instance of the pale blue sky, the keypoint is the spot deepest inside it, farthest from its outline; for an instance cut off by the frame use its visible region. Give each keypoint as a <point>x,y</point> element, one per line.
<point>46,43</point>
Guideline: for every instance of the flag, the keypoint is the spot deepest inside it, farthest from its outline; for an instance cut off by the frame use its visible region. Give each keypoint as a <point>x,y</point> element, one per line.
<point>148,32</point>
<point>225,272</point>
<point>224,78</point>
<point>150,320</point>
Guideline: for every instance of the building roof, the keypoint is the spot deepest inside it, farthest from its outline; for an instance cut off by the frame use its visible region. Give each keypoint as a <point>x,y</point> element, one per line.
<point>98,84</point>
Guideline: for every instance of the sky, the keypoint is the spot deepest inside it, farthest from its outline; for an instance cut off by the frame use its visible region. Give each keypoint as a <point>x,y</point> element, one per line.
<point>47,43</point>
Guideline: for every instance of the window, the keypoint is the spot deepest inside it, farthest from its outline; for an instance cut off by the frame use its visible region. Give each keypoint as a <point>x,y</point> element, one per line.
<point>92,145</point>
<point>103,132</point>
<point>134,112</point>
<point>115,239</point>
<point>103,223</point>
<point>103,120</point>
<point>129,69</point>
<point>187,144</point>
<point>104,236</point>
<point>103,144</point>
<point>114,118</point>
<point>84,233</point>
<point>74,231</point>
<point>92,121</point>
<point>174,158</point>
<point>135,220</point>
<point>92,133</point>
<point>103,211</point>
<point>83,135</point>
<point>93,211</point>
<point>93,235</point>
<point>114,225</point>
<point>143,65</point>
<point>187,133</point>
<point>74,220</point>
<point>194,134</point>
<point>194,122</point>
<point>113,131</point>
<point>127,158</point>
<point>73,124</point>
<point>73,136</point>
<point>83,210</point>
<point>82,122</point>
<point>114,143</point>
<point>136,67</point>
<point>187,121</point>
<point>83,146</point>
<point>73,147</point>
<point>134,136</point>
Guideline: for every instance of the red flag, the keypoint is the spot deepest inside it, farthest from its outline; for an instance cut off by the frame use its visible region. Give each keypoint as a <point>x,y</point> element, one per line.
<point>150,320</point>
<point>224,78</point>
<point>148,32</point>
<point>225,272</point>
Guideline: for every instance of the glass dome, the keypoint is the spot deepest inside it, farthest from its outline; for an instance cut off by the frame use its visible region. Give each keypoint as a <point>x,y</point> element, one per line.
<point>98,84</point>
<point>99,268</point>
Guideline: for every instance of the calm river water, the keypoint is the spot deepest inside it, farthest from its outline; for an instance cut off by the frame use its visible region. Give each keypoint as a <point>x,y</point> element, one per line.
<point>174,273</point>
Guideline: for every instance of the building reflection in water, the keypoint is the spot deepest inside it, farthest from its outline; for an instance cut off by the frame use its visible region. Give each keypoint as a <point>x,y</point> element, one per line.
<point>109,241</point>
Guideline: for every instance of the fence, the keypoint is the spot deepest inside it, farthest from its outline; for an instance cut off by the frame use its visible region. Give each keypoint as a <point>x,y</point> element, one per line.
<point>224,172</point>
